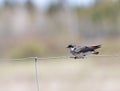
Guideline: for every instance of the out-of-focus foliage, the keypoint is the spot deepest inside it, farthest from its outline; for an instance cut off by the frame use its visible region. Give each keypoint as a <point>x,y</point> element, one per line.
<point>103,11</point>
<point>53,8</point>
<point>107,11</point>
<point>105,16</point>
<point>29,49</point>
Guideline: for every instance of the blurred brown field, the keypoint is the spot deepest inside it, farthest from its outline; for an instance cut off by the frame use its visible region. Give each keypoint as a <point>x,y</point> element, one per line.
<point>89,74</point>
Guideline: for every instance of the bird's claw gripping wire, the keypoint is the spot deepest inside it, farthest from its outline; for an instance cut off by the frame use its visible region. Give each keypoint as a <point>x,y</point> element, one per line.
<point>77,57</point>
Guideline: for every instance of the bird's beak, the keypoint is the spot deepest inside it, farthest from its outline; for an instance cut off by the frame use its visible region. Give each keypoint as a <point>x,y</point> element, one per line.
<point>67,47</point>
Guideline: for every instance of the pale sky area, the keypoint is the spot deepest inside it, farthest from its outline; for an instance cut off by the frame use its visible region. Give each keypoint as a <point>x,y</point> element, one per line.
<point>44,3</point>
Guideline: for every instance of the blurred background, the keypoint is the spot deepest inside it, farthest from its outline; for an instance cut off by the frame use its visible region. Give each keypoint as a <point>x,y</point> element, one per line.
<point>44,28</point>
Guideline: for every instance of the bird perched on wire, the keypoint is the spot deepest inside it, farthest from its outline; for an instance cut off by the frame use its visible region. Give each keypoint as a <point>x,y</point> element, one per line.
<point>81,52</point>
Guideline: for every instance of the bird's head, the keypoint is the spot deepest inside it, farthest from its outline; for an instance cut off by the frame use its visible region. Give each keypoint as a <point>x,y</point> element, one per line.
<point>70,46</point>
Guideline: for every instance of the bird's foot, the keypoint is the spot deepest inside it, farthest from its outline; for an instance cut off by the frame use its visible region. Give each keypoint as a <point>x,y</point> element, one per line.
<point>74,57</point>
<point>77,57</point>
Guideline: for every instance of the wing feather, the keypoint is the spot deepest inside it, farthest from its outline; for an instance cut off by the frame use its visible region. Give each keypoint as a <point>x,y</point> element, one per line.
<point>86,49</point>
<point>77,49</point>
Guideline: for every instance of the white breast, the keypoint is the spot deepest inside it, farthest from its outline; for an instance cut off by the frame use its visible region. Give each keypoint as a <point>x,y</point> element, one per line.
<point>72,49</point>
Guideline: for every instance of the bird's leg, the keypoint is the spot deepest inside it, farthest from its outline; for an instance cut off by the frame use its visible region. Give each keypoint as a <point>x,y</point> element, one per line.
<point>84,55</point>
<point>75,57</point>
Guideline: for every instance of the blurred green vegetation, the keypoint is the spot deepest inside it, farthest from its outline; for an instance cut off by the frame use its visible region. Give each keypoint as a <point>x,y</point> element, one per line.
<point>29,49</point>
<point>101,11</point>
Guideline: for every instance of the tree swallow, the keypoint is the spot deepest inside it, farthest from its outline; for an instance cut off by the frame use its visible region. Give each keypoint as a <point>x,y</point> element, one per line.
<point>81,52</point>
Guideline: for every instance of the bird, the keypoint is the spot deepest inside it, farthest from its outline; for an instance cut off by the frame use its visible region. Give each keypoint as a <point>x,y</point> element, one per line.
<point>81,52</point>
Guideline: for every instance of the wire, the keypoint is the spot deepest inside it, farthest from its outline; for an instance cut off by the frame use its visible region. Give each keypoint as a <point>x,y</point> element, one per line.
<point>115,55</point>
<point>19,59</point>
<point>58,57</point>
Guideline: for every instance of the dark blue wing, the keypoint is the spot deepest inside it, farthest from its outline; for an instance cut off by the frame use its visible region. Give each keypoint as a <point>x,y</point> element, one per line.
<point>86,49</point>
<point>77,49</point>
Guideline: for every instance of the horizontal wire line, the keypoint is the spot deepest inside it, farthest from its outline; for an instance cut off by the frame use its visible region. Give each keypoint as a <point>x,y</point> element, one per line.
<point>19,59</point>
<point>105,55</point>
<point>57,57</point>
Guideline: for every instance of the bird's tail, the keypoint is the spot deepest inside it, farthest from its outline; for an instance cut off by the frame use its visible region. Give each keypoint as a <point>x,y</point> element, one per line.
<point>96,47</point>
<point>96,53</point>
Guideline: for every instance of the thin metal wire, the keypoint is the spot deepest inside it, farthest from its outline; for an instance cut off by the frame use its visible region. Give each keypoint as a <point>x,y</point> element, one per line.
<point>58,57</point>
<point>19,59</point>
<point>36,74</point>
<point>115,55</point>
